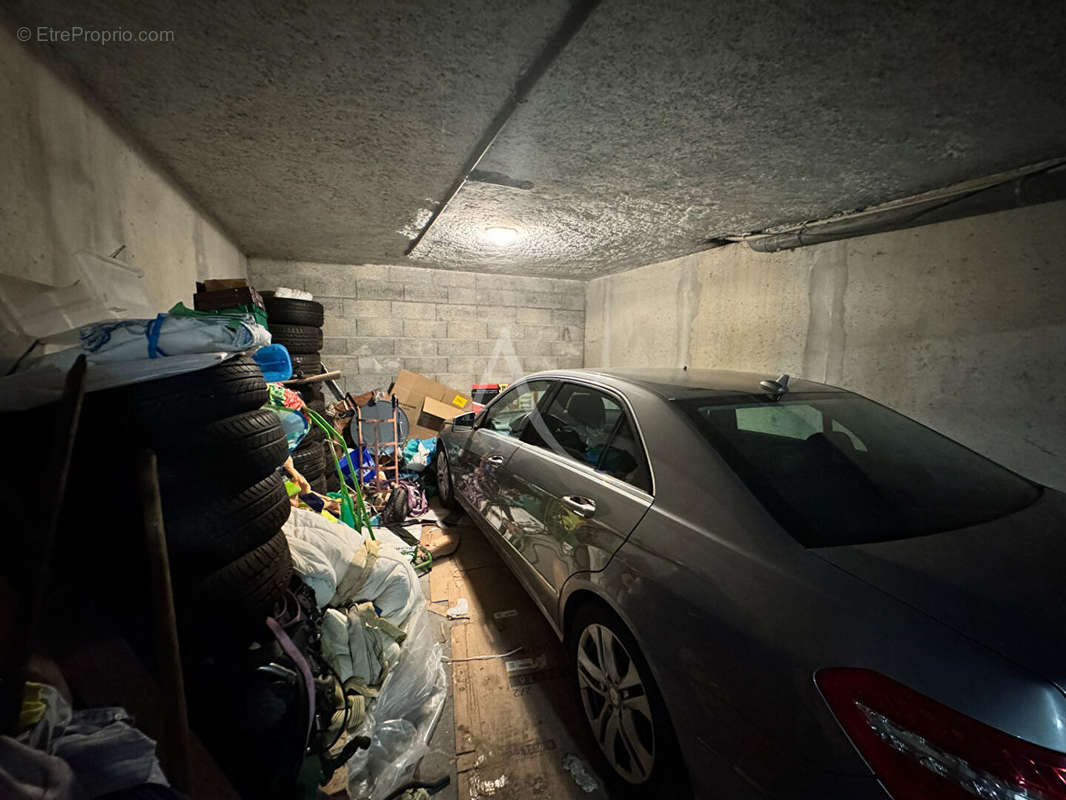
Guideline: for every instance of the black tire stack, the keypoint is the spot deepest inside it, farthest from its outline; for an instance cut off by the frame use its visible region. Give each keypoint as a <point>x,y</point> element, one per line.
<point>224,501</point>
<point>223,496</point>
<point>297,324</point>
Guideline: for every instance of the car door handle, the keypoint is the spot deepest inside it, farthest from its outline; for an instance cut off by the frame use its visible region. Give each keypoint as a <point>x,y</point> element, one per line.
<point>582,506</point>
<point>497,460</point>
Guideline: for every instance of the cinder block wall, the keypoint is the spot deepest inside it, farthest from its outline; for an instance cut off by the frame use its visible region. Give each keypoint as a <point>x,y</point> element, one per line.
<point>459,328</point>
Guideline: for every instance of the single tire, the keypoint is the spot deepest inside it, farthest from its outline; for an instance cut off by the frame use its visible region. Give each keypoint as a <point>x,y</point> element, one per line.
<point>396,507</point>
<point>314,434</point>
<point>290,311</point>
<point>331,450</point>
<point>319,484</point>
<point>297,338</point>
<point>232,387</point>
<point>202,537</point>
<point>306,364</point>
<point>311,392</point>
<point>308,461</point>
<point>445,486</point>
<point>244,592</point>
<point>236,451</point>
<point>333,481</point>
<point>307,443</point>
<point>623,708</point>
<point>327,458</point>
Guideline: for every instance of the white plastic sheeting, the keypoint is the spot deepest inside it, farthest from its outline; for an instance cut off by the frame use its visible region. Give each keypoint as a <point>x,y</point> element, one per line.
<point>400,720</point>
<point>322,551</point>
<point>324,554</point>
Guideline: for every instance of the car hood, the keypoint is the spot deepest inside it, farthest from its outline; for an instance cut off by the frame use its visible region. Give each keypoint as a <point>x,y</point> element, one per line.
<point>1002,583</point>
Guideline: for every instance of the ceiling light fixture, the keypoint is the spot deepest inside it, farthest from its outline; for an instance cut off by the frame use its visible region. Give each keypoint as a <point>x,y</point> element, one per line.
<point>501,237</point>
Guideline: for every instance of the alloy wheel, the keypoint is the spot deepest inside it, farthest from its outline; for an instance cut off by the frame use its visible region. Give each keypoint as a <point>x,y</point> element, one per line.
<point>444,478</point>
<point>616,703</point>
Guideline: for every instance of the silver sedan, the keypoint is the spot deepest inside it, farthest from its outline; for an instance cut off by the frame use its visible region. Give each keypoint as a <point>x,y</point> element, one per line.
<point>775,588</point>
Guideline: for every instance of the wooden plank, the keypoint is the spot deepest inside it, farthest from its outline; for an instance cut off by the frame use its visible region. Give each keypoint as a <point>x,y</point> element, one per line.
<point>332,375</point>
<point>467,761</point>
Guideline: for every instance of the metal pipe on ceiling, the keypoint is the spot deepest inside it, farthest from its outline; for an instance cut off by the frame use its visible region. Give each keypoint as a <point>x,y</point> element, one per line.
<point>1040,186</point>
<point>575,18</point>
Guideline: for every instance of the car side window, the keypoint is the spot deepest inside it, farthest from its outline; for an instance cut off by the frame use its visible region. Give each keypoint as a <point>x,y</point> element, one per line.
<point>577,421</point>
<point>591,427</point>
<point>510,414</point>
<point>623,457</point>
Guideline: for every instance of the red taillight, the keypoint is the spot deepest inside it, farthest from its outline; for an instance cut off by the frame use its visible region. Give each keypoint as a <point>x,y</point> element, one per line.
<point>921,750</point>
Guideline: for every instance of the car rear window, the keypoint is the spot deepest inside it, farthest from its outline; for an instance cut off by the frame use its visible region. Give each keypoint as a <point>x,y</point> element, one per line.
<point>837,469</point>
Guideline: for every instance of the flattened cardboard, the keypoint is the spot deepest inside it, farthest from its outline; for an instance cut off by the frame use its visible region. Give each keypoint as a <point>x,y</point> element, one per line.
<point>513,726</point>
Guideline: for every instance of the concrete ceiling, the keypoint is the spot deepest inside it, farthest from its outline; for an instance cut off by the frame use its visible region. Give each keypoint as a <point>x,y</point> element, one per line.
<point>329,131</point>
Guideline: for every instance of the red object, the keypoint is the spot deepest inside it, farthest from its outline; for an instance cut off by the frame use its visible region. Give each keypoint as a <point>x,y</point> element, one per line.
<point>484,392</point>
<point>921,749</point>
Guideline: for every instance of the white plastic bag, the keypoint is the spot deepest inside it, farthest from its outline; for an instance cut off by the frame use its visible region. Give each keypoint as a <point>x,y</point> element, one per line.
<point>402,718</point>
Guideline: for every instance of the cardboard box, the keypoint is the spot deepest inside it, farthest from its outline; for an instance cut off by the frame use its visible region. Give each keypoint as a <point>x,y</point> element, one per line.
<point>217,284</point>
<point>219,299</point>
<point>428,403</point>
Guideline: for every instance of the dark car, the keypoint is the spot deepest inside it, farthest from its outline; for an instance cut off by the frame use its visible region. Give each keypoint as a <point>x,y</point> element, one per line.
<point>779,589</point>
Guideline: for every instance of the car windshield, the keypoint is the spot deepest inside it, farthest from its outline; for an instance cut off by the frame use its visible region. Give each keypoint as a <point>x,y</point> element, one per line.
<point>838,469</point>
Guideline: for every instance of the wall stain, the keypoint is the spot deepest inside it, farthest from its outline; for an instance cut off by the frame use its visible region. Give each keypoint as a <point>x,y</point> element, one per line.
<point>823,355</point>
<point>203,269</point>
<point>689,289</point>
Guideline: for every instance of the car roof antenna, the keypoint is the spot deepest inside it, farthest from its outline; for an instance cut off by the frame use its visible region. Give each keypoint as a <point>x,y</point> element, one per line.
<point>776,389</point>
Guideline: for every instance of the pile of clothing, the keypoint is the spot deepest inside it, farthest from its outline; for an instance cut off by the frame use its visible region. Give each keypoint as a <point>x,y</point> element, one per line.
<point>63,754</point>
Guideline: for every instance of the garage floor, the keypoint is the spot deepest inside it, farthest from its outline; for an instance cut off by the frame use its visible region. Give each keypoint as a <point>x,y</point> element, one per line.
<point>511,726</point>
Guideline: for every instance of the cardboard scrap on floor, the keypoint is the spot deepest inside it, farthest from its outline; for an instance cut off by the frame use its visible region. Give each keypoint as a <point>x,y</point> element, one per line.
<point>439,543</point>
<point>514,716</point>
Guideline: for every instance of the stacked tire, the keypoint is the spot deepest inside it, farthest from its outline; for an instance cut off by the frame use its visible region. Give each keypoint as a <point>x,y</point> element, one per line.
<point>223,496</point>
<point>297,324</point>
<point>224,502</point>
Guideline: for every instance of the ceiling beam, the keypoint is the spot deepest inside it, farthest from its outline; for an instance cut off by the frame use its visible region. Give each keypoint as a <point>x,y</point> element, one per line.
<point>575,18</point>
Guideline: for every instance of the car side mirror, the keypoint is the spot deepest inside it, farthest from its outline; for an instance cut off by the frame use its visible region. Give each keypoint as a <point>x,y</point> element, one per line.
<point>464,420</point>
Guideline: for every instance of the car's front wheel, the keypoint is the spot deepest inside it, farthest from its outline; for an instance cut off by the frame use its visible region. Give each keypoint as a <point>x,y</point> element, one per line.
<point>445,484</point>
<point>623,708</point>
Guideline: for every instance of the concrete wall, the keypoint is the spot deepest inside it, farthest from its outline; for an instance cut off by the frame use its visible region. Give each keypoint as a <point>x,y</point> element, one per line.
<point>71,180</point>
<point>961,325</point>
<point>456,327</point>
